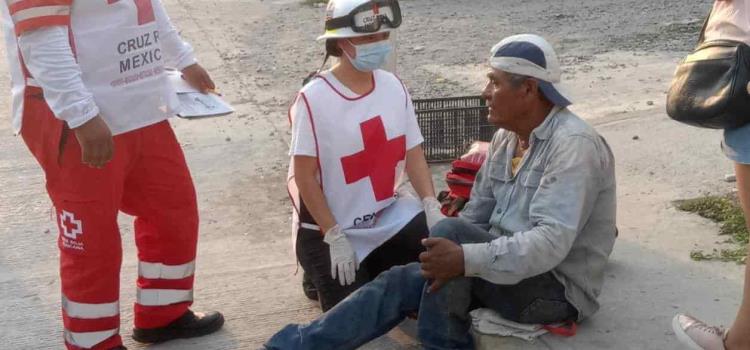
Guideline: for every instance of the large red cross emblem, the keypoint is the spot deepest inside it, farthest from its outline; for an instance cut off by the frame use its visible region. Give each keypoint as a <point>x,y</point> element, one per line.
<point>377,161</point>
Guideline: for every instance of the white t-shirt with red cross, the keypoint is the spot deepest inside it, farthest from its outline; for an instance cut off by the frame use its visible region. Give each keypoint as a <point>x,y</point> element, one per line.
<point>361,143</point>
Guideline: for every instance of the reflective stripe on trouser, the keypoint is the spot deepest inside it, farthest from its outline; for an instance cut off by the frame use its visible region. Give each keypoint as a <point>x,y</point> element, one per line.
<point>167,272</point>
<point>90,311</point>
<point>163,287</point>
<point>146,178</point>
<point>89,325</point>
<point>87,340</point>
<point>174,275</point>
<point>163,297</point>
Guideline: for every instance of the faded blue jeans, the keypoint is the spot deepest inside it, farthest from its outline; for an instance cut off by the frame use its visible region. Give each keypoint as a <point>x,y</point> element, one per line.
<point>444,321</point>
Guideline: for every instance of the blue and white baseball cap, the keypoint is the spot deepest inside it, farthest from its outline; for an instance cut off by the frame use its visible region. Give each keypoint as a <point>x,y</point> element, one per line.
<point>532,56</point>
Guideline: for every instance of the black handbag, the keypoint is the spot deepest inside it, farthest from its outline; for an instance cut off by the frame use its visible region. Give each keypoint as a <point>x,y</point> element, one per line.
<point>710,86</point>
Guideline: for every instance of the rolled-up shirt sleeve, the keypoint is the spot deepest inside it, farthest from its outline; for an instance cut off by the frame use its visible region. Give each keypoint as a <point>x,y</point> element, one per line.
<point>561,206</point>
<point>49,58</point>
<point>179,53</point>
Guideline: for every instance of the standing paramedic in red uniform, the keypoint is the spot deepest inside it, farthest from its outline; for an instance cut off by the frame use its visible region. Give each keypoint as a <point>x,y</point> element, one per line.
<point>91,100</point>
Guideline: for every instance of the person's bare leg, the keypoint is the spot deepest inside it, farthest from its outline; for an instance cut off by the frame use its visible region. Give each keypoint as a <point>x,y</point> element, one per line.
<point>739,334</point>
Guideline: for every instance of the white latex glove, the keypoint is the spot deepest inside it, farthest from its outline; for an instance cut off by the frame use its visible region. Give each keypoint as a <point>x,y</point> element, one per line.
<point>343,261</point>
<point>432,211</point>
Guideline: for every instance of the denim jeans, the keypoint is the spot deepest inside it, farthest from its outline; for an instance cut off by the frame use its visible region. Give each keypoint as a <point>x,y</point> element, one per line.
<point>444,320</point>
<point>736,144</point>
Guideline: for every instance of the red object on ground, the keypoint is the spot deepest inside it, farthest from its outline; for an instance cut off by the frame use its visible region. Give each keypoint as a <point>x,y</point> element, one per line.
<point>567,330</point>
<point>460,178</point>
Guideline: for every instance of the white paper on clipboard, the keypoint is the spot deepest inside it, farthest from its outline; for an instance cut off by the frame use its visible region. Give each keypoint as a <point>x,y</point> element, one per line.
<point>195,104</point>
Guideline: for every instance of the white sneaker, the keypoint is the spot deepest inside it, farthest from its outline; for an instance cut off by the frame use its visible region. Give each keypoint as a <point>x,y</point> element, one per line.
<point>698,335</point>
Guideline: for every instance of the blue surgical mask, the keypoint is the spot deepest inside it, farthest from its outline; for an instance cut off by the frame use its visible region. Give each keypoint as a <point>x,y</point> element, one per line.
<point>370,57</point>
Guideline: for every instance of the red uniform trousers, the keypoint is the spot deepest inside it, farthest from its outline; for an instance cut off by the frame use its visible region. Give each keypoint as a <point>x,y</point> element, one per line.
<point>147,178</point>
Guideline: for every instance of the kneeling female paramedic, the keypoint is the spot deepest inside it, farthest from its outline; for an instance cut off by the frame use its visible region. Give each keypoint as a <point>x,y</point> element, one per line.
<point>354,133</point>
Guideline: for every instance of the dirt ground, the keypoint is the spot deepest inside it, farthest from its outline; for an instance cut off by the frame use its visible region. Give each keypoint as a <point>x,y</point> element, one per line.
<point>618,58</point>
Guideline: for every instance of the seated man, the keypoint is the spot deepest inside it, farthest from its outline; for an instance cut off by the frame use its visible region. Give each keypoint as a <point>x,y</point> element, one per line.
<point>532,242</point>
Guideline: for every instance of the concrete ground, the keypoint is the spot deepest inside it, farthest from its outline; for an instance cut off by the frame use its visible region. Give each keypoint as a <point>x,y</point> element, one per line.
<point>618,59</point>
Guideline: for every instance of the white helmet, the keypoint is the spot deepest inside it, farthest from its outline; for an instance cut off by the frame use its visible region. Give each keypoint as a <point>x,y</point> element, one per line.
<point>354,18</point>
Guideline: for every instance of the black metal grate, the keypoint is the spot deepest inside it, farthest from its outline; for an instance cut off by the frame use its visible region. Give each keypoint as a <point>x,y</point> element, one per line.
<point>449,125</point>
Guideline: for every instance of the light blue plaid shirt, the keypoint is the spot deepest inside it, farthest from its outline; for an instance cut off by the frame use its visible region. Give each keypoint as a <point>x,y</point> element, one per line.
<point>556,214</point>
